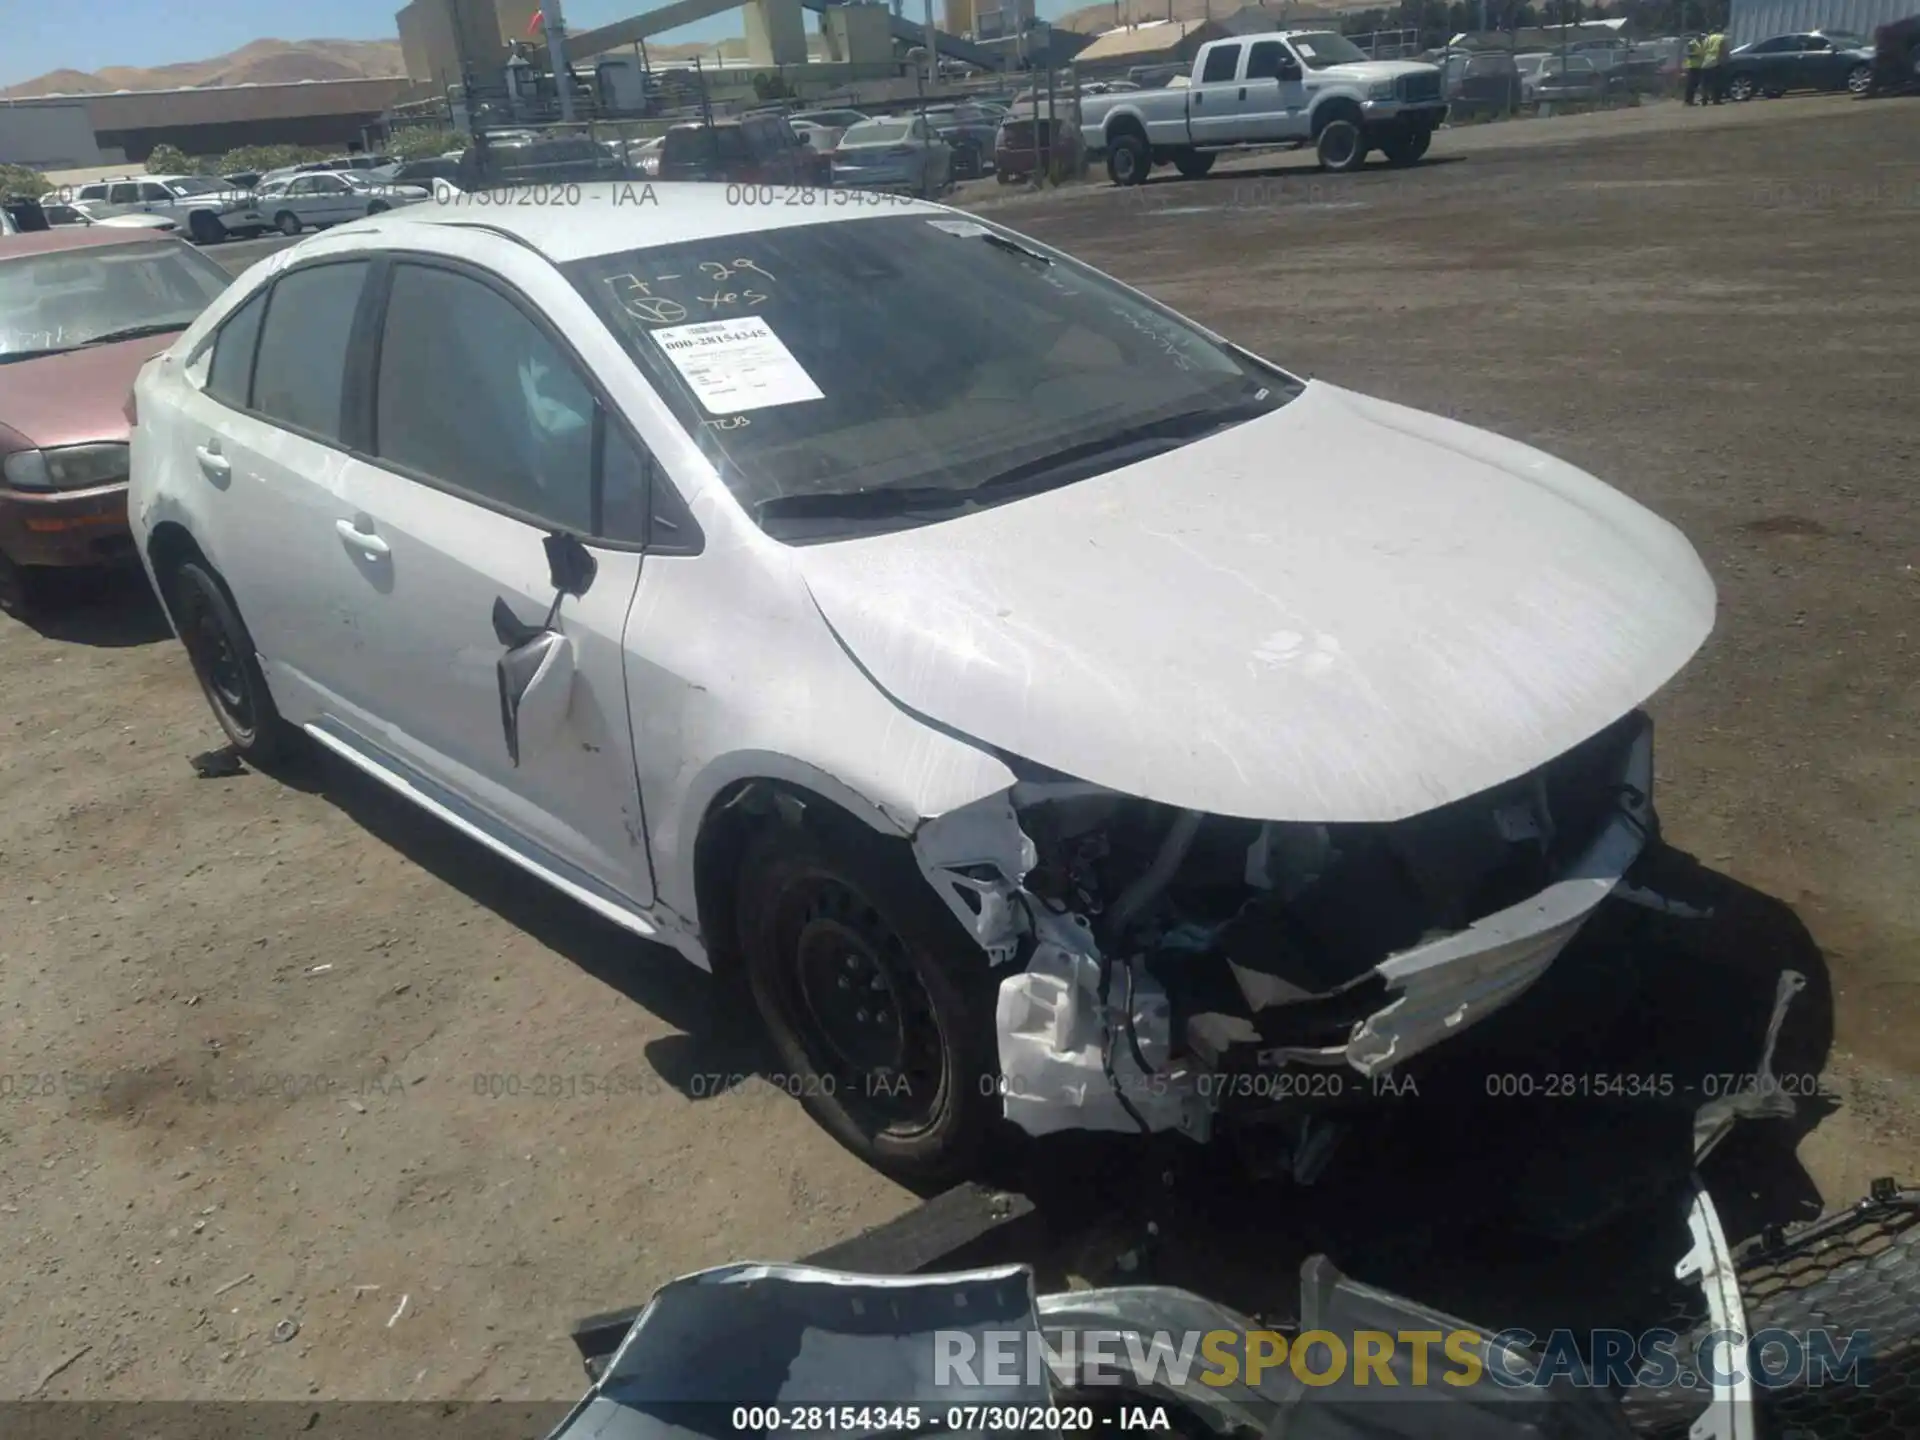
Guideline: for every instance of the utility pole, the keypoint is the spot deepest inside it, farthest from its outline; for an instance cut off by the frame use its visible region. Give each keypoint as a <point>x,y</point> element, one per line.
<point>933,50</point>
<point>556,28</point>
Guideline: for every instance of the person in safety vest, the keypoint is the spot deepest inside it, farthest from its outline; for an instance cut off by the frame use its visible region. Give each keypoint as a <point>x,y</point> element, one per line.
<point>1713,52</point>
<point>1696,52</point>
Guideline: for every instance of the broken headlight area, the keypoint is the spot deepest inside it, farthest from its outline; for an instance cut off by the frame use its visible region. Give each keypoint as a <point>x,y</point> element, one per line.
<point>1175,967</point>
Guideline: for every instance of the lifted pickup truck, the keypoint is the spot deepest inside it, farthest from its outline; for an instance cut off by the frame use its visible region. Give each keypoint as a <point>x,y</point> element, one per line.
<point>1289,88</point>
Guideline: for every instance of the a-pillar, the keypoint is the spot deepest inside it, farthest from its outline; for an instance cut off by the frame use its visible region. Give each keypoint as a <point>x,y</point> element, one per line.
<point>776,35</point>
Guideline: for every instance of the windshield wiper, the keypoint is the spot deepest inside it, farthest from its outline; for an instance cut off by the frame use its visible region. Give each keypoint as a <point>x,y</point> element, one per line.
<point>135,332</point>
<point>1121,447</point>
<point>1014,247</point>
<point>9,356</point>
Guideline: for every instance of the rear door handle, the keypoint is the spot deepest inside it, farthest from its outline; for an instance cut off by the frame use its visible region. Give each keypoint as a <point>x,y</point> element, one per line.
<point>1243,92</point>
<point>216,465</point>
<point>364,541</point>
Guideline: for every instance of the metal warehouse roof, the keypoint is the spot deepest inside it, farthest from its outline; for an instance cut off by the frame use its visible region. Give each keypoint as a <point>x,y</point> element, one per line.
<point>1752,20</point>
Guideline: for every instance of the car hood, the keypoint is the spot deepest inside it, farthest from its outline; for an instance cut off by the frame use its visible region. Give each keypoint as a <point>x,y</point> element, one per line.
<point>1343,611</point>
<point>1373,70</point>
<point>77,398</point>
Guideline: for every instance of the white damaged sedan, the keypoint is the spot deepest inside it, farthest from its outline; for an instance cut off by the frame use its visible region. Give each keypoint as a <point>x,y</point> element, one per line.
<point>1046,707</point>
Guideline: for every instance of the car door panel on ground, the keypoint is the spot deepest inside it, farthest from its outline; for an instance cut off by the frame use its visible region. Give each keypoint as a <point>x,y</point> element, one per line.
<point>484,438</point>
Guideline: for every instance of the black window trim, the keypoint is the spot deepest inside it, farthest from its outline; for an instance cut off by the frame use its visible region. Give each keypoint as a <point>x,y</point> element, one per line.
<point>361,400</point>
<point>210,347</point>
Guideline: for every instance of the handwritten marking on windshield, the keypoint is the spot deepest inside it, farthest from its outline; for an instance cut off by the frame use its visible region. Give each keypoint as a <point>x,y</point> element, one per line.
<point>636,297</point>
<point>728,422</point>
<point>733,297</point>
<point>1174,348</point>
<point>718,270</point>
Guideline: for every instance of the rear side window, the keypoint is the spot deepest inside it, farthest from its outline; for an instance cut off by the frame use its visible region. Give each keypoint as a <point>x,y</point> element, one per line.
<point>231,376</point>
<point>300,374</point>
<point>1222,62</point>
<point>472,394</point>
<point>124,195</point>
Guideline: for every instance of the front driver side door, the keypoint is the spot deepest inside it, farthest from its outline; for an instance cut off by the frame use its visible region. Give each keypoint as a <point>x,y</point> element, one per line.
<point>482,437</point>
<point>1276,103</point>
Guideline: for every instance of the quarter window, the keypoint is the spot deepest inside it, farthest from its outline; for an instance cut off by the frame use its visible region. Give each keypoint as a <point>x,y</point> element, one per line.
<point>300,375</point>
<point>231,377</point>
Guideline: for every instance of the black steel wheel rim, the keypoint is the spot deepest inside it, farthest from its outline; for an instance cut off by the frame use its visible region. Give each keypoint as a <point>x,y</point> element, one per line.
<point>221,665</point>
<point>859,1008</point>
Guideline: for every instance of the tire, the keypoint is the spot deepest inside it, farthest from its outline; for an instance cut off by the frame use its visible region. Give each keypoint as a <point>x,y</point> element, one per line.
<point>1406,147</point>
<point>1740,89</point>
<point>1193,164</point>
<point>205,229</point>
<point>828,912</point>
<point>1341,147</point>
<point>1128,160</point>
<point>19,589</point>
<point>1003,177</point>
<point>1860,79</point>
<point>287,223</point>
<point>378,207</point>
<point>226,665</point>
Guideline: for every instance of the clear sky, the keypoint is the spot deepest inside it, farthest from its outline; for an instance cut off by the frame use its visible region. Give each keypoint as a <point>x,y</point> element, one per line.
<point>43,35</point>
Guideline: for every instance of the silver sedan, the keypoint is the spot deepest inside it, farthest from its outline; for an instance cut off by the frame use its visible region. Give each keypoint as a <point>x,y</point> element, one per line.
<point>895,153</point>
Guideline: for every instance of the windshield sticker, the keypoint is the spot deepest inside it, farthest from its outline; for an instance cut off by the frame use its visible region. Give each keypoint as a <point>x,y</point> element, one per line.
<point>735,365</point>
<point>960,227</point>
<point>1305,49</point>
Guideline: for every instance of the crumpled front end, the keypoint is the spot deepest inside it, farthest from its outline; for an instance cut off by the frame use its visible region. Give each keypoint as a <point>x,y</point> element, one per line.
<point>1164,966</point>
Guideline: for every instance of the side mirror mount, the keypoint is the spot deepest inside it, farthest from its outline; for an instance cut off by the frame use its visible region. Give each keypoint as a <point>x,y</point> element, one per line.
<point>570,565</point>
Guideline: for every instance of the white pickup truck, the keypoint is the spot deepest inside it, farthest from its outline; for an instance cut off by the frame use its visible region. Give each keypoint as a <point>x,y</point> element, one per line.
<point>1304,87</point>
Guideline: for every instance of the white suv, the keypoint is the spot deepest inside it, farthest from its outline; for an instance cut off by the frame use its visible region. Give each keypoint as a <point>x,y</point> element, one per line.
<point>1058,711</point>
<point>208,209</point>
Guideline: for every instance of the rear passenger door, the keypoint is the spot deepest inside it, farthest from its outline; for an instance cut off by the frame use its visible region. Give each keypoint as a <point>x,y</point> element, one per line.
<point>265,417</point>
<point>1213,101</point>
<point>483,435</point>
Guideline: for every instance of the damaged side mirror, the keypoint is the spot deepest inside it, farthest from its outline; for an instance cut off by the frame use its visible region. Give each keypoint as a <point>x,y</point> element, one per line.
<point>535,676</point>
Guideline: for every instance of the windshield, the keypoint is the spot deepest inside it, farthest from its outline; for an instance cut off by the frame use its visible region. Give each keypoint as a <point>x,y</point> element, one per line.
<point>803,360</point>
<point>1321,49</point>
<point>71,298</point>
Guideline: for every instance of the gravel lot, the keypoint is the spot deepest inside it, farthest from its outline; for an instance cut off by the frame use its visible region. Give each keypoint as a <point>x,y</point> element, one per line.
<point>265,1033</point>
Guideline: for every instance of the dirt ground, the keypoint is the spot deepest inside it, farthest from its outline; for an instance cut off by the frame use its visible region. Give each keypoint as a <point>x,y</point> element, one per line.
<point>287,1052</point>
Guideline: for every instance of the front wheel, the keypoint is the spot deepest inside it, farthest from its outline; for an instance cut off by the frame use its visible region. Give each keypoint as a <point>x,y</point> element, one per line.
<point>880,1010</point>
<point>378,207</point>
<point>223,658</point>
<point>1128,160</point>
<point>1405,147</point>
<point>1193,164</point>
<point>205,229</point>
<point>19,588</point>
<point>1340,147</point>
<point>1860,79</point>
<point>1740,88</point>
<point>287,223</point>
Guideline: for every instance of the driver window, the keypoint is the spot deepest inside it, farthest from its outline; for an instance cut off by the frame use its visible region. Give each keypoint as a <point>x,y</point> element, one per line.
<point>1266,60</point>
<point>471,393</point>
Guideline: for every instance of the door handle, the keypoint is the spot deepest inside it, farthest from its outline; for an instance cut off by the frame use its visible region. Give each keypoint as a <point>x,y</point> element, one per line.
<point>364,541</point>
<point>216,465</point>
<point>1243,92</point>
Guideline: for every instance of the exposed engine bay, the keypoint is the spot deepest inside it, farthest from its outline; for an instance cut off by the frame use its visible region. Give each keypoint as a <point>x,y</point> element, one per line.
<point>1164,965</point>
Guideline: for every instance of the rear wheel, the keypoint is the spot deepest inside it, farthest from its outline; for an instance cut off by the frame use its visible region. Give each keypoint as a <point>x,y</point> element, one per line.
<point>1340,146</point>
<point>1128,160</point>
<point>287,223</point>
<point>880,1010</point>
<point>1193,164</point>
<point>226,665</point>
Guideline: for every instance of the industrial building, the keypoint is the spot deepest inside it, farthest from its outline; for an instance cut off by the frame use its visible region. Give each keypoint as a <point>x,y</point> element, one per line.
<point>63,132</point>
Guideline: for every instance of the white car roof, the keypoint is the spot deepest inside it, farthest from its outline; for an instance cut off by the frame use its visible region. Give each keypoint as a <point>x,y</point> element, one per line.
<point>615,216</point>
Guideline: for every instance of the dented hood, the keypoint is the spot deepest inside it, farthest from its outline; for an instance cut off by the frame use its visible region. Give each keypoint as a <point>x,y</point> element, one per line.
<point>1343,611</point>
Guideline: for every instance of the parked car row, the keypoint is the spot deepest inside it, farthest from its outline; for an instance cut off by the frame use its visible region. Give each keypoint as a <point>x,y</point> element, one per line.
<point>1809,60</point>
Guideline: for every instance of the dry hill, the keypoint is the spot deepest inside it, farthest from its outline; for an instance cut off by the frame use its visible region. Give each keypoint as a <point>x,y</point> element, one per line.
<point>264,62</point>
